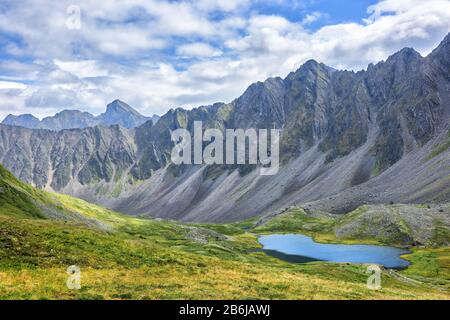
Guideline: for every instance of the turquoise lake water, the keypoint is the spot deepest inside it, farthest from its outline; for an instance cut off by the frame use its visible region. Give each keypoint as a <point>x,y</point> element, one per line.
<point>300,248</point>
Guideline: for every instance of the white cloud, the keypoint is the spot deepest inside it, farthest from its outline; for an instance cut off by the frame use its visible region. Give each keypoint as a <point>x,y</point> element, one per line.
<point>221,5</point>
<point>12,85</point>
<point>45,97</point>
<point>311,18</point>
<point>198,49</point>
<point>177,18</point>
<point>82,69</point>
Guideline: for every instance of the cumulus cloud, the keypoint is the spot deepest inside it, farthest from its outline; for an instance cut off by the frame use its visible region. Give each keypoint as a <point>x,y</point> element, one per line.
<point>82,69</point>
<point>198,50</point>
<point>311,17</point>
<point>158,54</point>
<point>45,97</point>
<point>12,85</point>
<point>221,5</point>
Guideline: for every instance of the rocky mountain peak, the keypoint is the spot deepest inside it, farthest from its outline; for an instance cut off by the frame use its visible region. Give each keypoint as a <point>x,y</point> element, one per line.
<point>118,106</point>
<point>23,120</point>
<point>399,66</point>
<point>311,69</point>
<point>118,112</point>
<point>406,55</point>
<point>310,64</point>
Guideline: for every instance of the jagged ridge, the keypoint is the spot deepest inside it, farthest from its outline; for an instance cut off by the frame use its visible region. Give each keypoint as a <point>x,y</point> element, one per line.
<point>117,112</point>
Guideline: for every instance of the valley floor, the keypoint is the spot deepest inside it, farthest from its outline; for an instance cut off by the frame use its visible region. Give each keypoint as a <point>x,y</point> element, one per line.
<point>122,257</point>
<point>148,259</point>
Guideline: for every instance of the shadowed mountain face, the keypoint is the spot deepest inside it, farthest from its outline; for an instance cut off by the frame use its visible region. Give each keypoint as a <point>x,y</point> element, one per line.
<point>117,112</point>
<point>348,138</point>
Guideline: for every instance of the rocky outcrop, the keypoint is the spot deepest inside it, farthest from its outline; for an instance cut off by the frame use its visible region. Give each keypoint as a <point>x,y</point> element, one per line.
<point>400,224</point>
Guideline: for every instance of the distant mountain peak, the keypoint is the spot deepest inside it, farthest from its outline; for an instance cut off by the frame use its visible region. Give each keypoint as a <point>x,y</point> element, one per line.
<point>405,54</point>
<point>311,66</point>
<point>24,120</point>
<point>117,112</point>
<point>25,116</point>
<point>120,106</point>
<point>311,63</point>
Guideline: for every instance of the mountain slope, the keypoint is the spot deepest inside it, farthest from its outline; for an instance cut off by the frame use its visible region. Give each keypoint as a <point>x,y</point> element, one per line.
<point>348,139</point>
<point>16,197</point>
<point>117,112</point>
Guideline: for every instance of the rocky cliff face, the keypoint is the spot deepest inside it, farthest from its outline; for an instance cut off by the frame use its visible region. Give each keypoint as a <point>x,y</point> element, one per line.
<point>117,112</point>
<point>348,138</point>
<point>54,158</point>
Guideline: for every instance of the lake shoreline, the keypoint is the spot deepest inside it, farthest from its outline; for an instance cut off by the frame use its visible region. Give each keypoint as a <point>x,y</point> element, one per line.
<point>300,248</point>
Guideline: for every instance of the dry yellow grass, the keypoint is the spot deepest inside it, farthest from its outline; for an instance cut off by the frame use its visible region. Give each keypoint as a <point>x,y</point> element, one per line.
<point>226,280</point>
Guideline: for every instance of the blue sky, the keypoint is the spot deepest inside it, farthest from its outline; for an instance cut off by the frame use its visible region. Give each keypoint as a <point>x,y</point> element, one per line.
<point>159,54</point>
<point>332,11</point>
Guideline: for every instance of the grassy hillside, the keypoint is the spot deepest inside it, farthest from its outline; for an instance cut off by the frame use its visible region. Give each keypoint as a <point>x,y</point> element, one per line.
<point>121,257</point>
<point>18,199</point>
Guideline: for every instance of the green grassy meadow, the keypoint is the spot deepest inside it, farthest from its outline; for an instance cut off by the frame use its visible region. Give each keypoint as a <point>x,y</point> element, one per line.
<point>122,257</point>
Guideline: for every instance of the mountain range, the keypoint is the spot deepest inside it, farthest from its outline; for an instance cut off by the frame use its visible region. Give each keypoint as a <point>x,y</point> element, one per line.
<point>348,138</point>
<point>117,112</point>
